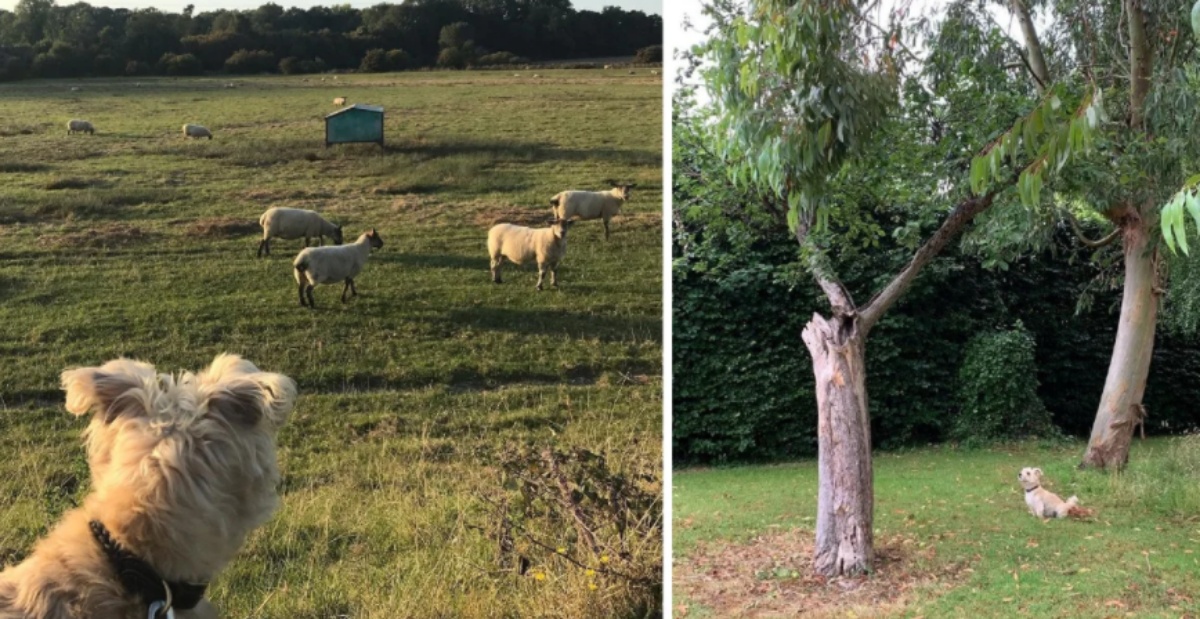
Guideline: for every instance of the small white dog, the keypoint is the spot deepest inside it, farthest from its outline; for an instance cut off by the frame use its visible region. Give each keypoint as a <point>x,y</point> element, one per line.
<point>1043,503</point>
<point>183,469</point>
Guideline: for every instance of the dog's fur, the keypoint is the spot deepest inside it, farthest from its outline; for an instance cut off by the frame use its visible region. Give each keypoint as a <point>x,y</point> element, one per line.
<point>183,469</point>
<point>1043,503</point>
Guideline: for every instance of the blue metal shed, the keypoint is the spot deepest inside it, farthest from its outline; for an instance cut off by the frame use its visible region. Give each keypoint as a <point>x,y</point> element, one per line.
<point>355,123</point>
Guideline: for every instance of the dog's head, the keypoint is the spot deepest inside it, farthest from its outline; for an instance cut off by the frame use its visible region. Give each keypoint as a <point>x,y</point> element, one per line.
<point>193,453</point>
<point>1030,478</point>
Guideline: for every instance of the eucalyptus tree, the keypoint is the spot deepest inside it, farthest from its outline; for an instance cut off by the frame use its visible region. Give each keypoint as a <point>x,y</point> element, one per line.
<point>820,114</point>
<point>1137,51</point>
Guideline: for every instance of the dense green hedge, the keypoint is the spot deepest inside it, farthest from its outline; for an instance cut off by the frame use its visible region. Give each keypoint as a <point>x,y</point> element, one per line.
<point>744,384</point>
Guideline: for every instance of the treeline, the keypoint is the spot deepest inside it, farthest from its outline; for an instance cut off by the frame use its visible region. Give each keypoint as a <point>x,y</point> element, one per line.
<point>42,39</point>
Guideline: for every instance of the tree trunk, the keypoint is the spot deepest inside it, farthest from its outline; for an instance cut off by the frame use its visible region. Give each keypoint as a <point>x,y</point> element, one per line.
<point>845,496</point>
<point>1121,403</point>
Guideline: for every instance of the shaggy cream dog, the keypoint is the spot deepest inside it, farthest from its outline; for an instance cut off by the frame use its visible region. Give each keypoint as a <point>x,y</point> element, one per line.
<point>1043,503</point>
<point>183,469</point>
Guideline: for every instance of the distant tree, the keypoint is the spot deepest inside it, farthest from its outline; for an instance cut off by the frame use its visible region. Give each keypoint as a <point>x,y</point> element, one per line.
<point>135,67</point>
<point>290,65</point>
<point>250,61</point>
<point>454,58</point>
<point>398,60</point>
<point>649,55</point>
<point>499,58</point>
<point>456,35</point>
<point>179,64</point>
<point>374,61</point>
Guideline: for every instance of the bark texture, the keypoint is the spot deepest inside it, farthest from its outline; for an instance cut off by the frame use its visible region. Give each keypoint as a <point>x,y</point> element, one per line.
<point>1037,60</point>
<point>845,496</point>
<point>1121,406</point>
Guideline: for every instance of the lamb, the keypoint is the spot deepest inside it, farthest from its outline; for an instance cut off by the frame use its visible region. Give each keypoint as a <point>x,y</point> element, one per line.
<point>196,131</point>
<point>591,204</point>
<point>339,101</point>
<point>294,223</point>
<point>329,265</point>
<point>519,244</point>
<point>80,126</point>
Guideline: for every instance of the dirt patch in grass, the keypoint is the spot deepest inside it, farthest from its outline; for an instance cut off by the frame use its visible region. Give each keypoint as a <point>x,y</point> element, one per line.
<point>114,235</point>
<point>74,183</point>
<point>770,576</point>
<point>519,215</point>
<point>223,227</point>
<point>18,167</point>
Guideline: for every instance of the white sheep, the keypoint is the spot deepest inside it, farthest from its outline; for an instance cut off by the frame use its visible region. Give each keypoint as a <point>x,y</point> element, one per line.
<point>520,244</point>
<point>339,101</point>
<point>74,89</point>
<point>330,265</point>
<point>653,72</point>
<point>294,223</point>
<point>591,204</point>
<point>80,126</point>
<point>608,66</point>
<point>196,131</point>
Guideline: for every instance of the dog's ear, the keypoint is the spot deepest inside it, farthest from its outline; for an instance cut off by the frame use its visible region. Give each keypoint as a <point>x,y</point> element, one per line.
<point>1038,472</point>
<point>109,391</point>
<point>249,398</point>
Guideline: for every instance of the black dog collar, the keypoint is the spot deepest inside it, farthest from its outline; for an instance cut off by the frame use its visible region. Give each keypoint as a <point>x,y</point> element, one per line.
<point>140,579</point>
<point>1027,491</point>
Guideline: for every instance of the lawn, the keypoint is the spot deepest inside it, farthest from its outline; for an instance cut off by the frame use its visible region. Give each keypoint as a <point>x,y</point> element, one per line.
<point>135,241</point>
<point>955,538</point>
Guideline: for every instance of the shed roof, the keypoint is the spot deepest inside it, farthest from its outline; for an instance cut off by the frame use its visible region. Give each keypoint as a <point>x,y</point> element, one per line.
<point>378,109</point>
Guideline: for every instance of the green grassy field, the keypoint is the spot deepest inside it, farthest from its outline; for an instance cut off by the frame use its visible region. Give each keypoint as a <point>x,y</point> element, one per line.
<point>956,538</point>
<point>138,242</point>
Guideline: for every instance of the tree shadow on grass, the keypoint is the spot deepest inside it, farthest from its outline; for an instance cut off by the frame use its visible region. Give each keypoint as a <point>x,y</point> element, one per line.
<point>558,322</point>
<point>434,261</point>
<point>522,151</point>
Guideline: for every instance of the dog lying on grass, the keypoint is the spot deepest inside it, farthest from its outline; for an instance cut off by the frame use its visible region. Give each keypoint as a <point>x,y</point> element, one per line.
<point>183,469</point>
<point>1045,504</point>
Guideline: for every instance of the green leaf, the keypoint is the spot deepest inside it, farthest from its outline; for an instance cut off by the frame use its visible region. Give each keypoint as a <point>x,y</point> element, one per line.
<point>1192,204</point>
<point>1196,19</point>
<point>1168,222</point>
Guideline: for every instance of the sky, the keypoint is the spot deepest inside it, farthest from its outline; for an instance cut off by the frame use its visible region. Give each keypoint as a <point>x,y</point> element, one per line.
<point>175,6</point>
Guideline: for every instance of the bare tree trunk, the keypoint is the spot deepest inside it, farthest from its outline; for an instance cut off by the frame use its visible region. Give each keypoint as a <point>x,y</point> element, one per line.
<point>845,498</point>
<point>1121,403</point>
<point>846,494</point>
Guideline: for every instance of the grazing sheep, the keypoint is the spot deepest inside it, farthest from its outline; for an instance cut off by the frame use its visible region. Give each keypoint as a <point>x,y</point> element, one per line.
<point>330,265</point>
<point>653,72</point>
<point>294,223</point>
<point>536,75</point>
<point>607,66</point>
<point>520,244</point>
<point>591,204</point>
<point>339,101</point>
<point>80,126</point>
<point>74,89</point>
<point>196,131</point>
<point>633,72</point>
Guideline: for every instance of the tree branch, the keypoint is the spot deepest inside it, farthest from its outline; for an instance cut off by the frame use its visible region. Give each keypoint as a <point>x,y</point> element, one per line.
<point>959,217</point>
<point>818,264</point>
<point>1140,60</point>
<point>1112,236</point>
<point>1036,61</point>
